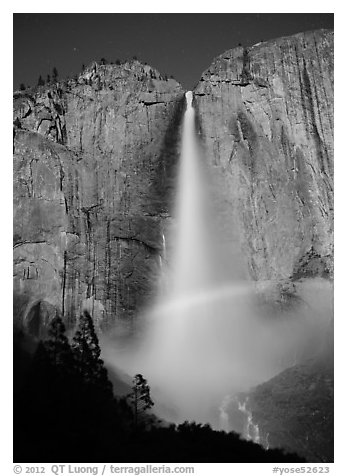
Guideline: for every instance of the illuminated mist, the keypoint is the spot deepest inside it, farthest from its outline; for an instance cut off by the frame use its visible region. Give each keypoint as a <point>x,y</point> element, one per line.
<point>206,338</point>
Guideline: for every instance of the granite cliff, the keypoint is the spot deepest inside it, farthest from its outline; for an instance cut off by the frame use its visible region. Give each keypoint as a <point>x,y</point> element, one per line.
<point>95,164</point>
<point>265,115</point>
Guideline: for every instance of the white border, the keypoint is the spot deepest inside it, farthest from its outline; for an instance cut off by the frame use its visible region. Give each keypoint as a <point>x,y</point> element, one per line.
<point>63,6</point>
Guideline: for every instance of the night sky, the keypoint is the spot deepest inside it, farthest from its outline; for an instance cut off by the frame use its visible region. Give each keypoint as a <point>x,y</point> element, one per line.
<point>183,45</point>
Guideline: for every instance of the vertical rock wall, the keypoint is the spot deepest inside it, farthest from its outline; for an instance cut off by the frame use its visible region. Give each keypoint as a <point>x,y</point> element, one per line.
<point>266,122</point>
<point>94,168</point>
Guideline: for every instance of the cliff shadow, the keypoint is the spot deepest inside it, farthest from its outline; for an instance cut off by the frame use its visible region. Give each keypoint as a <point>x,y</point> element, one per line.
<point>163,187</point>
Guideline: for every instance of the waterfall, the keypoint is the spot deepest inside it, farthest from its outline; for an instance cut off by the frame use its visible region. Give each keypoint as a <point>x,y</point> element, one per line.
<point>163,246</point>
<point>187,353</point>
<point>204,337</point>
<point>192,254</point>
<point>162,266</point>
<point>251,428</point>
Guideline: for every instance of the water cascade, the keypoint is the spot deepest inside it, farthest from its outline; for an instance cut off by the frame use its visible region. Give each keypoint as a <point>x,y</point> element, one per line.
<point>251,429</point>
<point>195,350</point>
<point>186,348</point>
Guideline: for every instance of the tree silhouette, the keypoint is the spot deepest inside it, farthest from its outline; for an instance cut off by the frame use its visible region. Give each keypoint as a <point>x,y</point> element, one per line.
<point>86,351</point>
<point>22,86</point>
<point>58,347</point>
<point>39,388</point>
<point>48,80</point>
<point>41,366</point>
<point>55,74</point>
<point>40,81</point>
<point>140,398</point>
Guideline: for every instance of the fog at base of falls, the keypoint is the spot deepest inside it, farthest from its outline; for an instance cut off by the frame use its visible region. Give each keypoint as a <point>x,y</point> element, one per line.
<point>205,337</point>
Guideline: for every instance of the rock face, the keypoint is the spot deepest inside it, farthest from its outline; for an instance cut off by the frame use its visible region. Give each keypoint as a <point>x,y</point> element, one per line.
<point>94,167</point>
<point>266,122</point>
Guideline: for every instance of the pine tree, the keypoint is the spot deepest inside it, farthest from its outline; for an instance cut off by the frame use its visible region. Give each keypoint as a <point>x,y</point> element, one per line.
<point>22,87</point>
<point>140,398</point>
<point>58,347</point>
<point>40,81</point>
<point>86,350</point>
<point>55,74</point>
<point>48,80</point>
